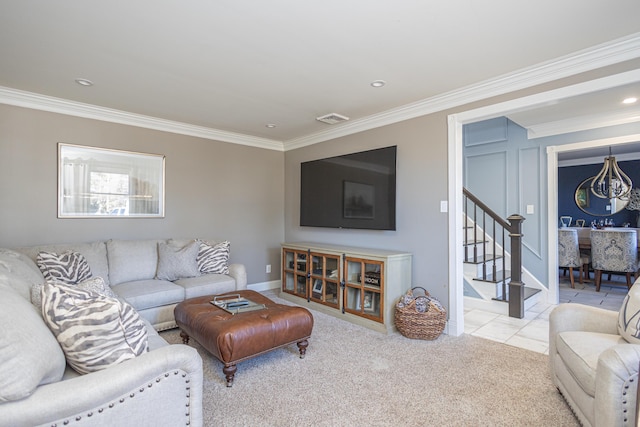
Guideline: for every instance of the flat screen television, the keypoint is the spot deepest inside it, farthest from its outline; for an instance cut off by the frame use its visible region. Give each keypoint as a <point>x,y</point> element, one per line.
<point>355,190</point>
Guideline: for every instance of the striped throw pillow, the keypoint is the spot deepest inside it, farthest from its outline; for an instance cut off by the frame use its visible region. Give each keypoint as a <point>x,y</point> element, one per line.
<point>629,315</point>
<point>214,258</point>
<point>68,267</point>
<point>94,331</point>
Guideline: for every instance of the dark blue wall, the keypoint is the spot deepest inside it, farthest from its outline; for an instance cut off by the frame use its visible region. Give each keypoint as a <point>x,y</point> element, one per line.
<point>570,177</point>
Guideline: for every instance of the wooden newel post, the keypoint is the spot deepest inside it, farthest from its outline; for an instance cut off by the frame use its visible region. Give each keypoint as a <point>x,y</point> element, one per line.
<point>516,287</point>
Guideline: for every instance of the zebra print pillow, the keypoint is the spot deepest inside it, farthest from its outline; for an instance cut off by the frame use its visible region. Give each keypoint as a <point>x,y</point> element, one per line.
<point>213,259</point>
<point>68,267</point>
<point>94,331</point>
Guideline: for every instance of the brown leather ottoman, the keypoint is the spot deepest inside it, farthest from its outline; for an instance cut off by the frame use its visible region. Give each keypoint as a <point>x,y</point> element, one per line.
<point>232,338</point>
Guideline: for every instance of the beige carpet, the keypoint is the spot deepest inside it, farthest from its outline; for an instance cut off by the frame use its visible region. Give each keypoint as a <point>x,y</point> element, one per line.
<point>352,376</point>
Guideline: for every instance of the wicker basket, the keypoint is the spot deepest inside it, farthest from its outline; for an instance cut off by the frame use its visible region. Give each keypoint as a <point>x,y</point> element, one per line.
<point>413,324</point>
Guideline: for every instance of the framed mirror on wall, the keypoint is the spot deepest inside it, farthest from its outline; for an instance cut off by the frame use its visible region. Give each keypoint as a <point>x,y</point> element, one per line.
<point>106,183</point>
<point>596,206</point>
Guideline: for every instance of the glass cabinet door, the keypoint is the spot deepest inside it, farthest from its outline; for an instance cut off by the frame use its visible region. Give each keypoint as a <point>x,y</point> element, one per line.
<point>325,272</point>
<point>364,287</point>
<point>294,278</point>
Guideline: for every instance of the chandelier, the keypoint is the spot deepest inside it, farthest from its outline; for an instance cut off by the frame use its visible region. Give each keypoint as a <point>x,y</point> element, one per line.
<point>611,182</point>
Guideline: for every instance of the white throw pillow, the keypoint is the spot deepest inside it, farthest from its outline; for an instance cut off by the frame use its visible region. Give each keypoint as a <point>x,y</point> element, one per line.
<point>95,284</point>
<point>629,315</point>
<point>214,258</point>
<point>177,262</point>
<point>94,331</point>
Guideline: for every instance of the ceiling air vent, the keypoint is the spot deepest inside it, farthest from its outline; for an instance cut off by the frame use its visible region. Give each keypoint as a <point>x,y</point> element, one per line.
<point>332,118</point>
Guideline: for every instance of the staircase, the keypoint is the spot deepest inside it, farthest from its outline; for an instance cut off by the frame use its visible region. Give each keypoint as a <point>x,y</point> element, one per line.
<point>488,278</point>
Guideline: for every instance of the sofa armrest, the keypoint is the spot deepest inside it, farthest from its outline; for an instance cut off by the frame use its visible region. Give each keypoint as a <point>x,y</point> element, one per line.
<point>239,273</point>
<point>617,385</point>
<point>578,317</point>
<point>161,387</point>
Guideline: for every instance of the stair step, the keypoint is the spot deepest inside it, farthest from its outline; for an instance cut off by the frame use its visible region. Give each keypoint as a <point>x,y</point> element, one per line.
<point>483,258</point>
<point>528,293</point>
<point>499,277</point>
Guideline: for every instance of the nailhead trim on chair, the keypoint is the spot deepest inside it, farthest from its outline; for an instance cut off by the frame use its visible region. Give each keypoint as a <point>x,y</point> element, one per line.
<point>141,390</point>
<point>625,411</point>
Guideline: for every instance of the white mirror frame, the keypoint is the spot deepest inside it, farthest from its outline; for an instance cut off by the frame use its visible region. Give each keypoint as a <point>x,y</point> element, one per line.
<point>106,183</point>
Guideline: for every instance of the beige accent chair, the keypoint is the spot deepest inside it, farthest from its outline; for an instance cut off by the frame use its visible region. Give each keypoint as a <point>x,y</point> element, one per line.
<point>594,357</point>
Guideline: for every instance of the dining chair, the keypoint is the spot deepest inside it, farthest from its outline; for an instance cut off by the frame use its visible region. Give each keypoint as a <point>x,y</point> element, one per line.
<point>580,222</point>
<point>565,220</point>
<point>569,255</point>
<point>615,251</point>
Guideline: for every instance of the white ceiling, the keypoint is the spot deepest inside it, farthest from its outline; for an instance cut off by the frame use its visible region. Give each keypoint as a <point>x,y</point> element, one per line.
<point>237,65</point>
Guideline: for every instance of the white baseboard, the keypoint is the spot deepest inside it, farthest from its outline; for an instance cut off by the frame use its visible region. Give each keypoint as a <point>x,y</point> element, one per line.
<point>265,286</point>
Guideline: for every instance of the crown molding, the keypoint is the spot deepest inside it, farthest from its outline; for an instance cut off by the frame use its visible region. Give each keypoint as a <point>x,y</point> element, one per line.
<point>610,53</point>
<point>602,55</point>
<point>36,101</point>
<point>581,124</point>
<point>597,160</point>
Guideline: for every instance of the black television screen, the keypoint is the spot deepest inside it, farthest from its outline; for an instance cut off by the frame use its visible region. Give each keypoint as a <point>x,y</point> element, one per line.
<point>351,191</point>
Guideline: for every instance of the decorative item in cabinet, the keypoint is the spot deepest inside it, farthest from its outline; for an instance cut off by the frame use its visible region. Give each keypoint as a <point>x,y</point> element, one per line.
<point>324,278</point>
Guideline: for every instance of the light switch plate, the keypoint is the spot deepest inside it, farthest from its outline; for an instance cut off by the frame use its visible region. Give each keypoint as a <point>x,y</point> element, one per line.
<point>530,210</point>
<point>444,206</point>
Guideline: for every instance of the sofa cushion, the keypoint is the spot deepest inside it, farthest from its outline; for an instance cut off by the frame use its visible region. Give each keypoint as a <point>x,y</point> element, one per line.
<point>214,257</point>
<point>95,284</point>
<point>24,271</point>
<point>94,331</point>
<point>67,267</point>
<point>143,294</point>
<point>629,315</point>
<point>207,284</point>
<point>131,260</point>
<point>580,351</point>
<point>95,253</point>
<point>177,261</point>
<point>29,353</point>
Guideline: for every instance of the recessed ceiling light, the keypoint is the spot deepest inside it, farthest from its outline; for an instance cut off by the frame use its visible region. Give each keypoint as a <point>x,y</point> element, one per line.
<point>631,100</point>
<point>270,125</point>
<point>378,83</point>
<point>84,82</point>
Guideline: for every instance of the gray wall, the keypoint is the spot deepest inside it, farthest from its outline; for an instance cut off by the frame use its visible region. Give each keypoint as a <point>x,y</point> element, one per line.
<point>213,189</point>
<point>421,183</point>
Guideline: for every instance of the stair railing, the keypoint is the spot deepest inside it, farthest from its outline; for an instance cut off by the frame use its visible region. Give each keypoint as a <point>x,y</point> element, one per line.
<point>491,224</point>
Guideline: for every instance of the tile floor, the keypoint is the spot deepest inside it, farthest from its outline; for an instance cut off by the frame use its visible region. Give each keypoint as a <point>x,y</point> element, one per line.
<point>532,332</point>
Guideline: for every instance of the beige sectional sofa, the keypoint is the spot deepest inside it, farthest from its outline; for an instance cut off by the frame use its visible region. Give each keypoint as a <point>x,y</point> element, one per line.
<point>130,267</point>
<point>161,386</point>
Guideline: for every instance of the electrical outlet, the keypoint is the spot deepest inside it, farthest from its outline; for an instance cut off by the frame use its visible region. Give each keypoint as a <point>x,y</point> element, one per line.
<point>268,268</point>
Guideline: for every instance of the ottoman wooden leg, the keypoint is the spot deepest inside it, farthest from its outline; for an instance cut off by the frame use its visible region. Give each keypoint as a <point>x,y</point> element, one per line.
<point>229,373</point>
<point>185,338</point>
<point>302,345</point>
